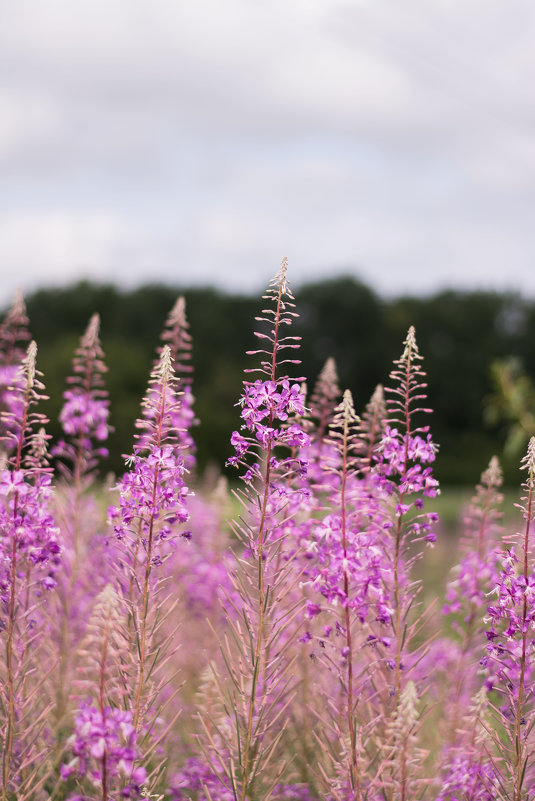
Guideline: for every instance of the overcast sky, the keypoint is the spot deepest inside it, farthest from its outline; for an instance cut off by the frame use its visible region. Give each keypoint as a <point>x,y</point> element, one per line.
<point>200,141</point>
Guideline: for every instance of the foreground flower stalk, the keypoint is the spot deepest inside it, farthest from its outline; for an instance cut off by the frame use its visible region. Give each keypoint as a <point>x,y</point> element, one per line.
<point>256,686</point>
<point>472,580</point>
<point>103,749</point>
<point>152,508</point>
<point>273,399</point>
<point>406,449</point>
<point>28,546</point>
<point>511,646</point>
<point>84,419</point>
<point>347,418</point>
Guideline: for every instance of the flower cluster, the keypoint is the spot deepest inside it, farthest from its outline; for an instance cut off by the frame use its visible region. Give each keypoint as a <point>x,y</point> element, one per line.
<point>401,459</point>
<point>197,780</point>
<point>471,779</point>
<point>13,333</point>
<point>269,401</point>
<point>152,490</point>
<point>477,573</point>
<point>468,591</point>
<point>398,449</point>
<point>507,616</point>
<point>27,526</point>
<point>85,412</point>
<point>361,561</point>
<point>104,749</point>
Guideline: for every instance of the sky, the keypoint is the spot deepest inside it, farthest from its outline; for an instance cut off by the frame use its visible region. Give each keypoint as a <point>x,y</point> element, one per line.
<point>200,142</point>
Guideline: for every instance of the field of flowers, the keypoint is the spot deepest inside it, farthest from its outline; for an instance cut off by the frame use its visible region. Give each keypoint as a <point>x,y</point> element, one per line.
<point>162,640</point>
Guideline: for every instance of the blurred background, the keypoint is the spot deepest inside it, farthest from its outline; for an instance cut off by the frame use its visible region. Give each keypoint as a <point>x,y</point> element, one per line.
<point>478,347</point>
<point>386,148</point>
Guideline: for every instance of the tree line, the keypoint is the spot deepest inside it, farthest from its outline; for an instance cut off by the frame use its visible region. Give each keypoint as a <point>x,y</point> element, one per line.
<point>462,336</point>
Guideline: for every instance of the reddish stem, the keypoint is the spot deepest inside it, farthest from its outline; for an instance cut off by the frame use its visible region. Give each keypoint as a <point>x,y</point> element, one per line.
<point>261,592</point>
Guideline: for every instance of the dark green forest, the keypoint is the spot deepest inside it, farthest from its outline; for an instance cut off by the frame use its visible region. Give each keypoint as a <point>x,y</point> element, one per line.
<point>461,336</point>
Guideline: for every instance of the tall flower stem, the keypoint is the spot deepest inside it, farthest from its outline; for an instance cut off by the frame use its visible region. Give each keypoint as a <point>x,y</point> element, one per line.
<point>399,531</point>
<point>468,590</point>
<point>29,545</point>
<point>152,505</point>
<point>259,638</point>
<point>102,706</point>
<point>8,749</point>
<point>84,418</point>
<point>520,744</point>
<point>10,669</point>
<point>403,453</point>
<point>354,767</point>
<point>511,642</point>
<point>148,561</point>
<point>260,559</point>
<point>256,665</point>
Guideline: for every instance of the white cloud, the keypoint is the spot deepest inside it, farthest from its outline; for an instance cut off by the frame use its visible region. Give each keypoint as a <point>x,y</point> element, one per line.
<point>204,141</point>
<point>58,246</point>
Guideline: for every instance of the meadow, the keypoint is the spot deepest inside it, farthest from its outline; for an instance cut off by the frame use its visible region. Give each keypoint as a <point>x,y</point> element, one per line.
<point>301,628</point>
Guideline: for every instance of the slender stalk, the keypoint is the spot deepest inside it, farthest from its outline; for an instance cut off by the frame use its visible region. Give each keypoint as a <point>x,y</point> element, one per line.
<point>144,613</point>
<point>353,766</point>
<point>245,778</point>
<point>404,778</point>
<point>145,609</point>
<point>65,651</point>
<point>146,585</point>
<point>398,542</point>
<point>470,628</point>
<point>87,367</point>
<point>519,741</point>
<point>102,705</point>
<point>8,750</point>
<point>259,639</point>
<point>10,669</point>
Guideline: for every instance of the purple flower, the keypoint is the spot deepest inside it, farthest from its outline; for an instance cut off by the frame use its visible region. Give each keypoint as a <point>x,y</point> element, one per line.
<point>27,527</point>
<point>105,740</point>
<point>271,401</point>
<point>466,778</point>
<point>198,781</point>
<point>400,463</point>
<point>13,338</point>
<point>84,415</point>
<point>26,520</point>
<point>153,494</point>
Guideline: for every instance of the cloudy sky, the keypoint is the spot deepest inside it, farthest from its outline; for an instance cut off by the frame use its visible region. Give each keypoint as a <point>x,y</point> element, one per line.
<point>200,141</point>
